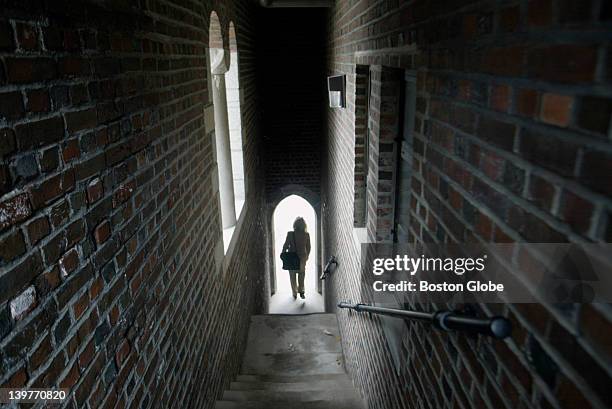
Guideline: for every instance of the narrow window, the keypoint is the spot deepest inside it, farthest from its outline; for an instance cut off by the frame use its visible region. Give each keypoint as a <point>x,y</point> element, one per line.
<point>232,84</point>
<point>402,204</point>
<point>218,69</point>
<point>362,96</point>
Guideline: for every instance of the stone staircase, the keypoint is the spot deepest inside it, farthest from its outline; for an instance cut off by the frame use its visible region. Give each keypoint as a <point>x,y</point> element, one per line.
<point>292,361</point>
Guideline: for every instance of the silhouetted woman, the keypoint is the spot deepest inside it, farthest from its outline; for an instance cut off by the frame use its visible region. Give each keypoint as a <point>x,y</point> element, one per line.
<point>298,240</point>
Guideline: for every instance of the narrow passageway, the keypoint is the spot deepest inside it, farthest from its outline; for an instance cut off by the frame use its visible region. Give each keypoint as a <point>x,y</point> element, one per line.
<point>282,301</point>
<point>154,154</point>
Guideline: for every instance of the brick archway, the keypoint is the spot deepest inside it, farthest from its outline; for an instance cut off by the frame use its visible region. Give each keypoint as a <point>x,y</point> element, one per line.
<point>299,190</point>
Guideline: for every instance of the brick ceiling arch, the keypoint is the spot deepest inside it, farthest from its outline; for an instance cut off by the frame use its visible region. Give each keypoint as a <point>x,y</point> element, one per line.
<point>293,189</point>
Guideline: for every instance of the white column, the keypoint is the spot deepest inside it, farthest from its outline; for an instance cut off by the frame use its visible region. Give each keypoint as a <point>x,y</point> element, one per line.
<point>235,127</point>
<point>224,153</point>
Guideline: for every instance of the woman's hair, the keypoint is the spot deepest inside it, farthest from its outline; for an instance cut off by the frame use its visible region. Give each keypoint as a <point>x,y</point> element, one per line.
<point>299,224</point>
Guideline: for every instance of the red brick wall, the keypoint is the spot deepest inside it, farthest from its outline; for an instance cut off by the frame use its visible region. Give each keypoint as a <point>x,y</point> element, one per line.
<point>511,144</point>
<point>108,215</point>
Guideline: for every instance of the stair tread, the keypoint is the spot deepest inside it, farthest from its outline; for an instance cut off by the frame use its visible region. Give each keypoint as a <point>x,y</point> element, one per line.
<point>292,386</point>
<point>292,378</point>
<point>293,363</point>
<point>297,333</point>
<point>331,395</point>
<point>320,404</point>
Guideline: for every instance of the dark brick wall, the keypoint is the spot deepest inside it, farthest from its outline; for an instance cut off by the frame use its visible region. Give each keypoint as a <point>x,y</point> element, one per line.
<point>109,220</point>
<point>291,74</point>
<point>512,143</point>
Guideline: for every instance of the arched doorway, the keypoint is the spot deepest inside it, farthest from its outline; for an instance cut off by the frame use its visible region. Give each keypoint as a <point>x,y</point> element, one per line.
<point>282,301</point>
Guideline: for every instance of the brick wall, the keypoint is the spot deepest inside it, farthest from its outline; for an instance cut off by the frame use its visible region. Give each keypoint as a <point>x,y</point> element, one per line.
<point>109,217</point>
<point>291,74</point>
<point>512,143</point>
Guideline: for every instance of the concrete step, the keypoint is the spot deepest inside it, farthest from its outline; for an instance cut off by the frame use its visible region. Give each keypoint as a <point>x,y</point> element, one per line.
<point>297,333</point>
<point>293,363</point>
<point>285,405</point>
<point>292,386</point>
<point>331,395</point>
<point>331,378</point>
<point>293,345</point>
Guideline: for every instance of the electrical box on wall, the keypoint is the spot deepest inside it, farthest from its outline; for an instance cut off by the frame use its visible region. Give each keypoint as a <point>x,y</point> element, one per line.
<point>336,85</point>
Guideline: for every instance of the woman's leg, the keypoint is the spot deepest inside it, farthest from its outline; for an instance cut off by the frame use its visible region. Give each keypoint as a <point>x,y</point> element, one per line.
<point>301,275</point>
<point>292,278</point>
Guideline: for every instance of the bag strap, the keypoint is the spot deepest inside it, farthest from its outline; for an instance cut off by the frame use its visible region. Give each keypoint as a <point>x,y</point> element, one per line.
<point>294,245</point>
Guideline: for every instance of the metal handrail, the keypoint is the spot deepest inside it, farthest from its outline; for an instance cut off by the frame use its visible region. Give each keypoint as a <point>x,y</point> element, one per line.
<point>496,327</point>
